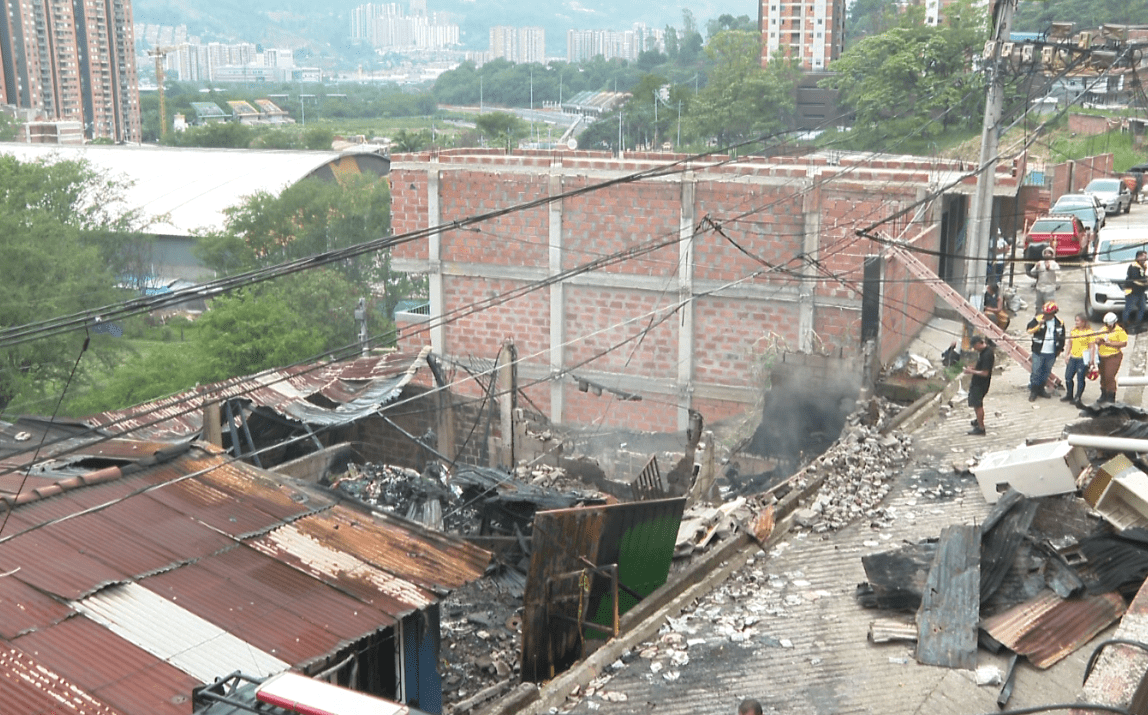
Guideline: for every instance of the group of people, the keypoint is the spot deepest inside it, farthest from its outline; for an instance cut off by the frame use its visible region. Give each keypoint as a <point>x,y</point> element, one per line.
<point>1098,351</point>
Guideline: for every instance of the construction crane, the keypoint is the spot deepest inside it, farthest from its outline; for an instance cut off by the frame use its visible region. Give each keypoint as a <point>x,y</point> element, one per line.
<point>160,53</point>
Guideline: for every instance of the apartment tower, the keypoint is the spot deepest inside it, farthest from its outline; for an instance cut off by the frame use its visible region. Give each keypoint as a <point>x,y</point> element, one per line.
<point>72,60</point>
<point>810,31</point>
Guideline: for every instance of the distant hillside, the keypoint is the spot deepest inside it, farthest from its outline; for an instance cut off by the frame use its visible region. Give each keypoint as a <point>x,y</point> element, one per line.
<point>325,28</point>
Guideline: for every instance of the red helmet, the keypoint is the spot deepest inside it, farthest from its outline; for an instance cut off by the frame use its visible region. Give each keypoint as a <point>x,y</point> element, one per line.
<point>1050,307</point>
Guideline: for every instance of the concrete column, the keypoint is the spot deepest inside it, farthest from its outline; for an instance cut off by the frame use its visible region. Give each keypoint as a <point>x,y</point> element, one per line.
<point>557,304</point>
<point>805,291</point>
<point>434,256</point>
<point>685,293</point>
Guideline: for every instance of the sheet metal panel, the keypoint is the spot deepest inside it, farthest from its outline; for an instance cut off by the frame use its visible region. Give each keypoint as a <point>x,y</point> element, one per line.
<point>245,613</point>
<point>110,668</point>
<point>53,566</point>
<point>175,635</point>
<point>110,543</point>
<point>256,489</point>
<point>382,590</point>
<point>166,528</point>
<point>951,601</point>
<point>215,508</point>
<point>1047,628</point>
<point>638,536</point>
<point>23,608</point>
<point>28,687</point>
<point>428,559</point>
<point>358,387</point>
<point>296,592</point>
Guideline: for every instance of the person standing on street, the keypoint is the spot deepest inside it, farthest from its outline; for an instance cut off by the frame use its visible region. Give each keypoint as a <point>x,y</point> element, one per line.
<point>1001,250</point>
<point>1081,354</point>
<point>1110,347</point>
<point>1047,333</point>
<point>1134,291</point>
<point>982,374</point>
<point>1045,272</point>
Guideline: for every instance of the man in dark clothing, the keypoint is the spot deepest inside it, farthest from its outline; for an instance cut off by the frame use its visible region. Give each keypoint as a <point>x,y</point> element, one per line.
<point>982,374</point>
<point>1135,287</point>
<point>1048,335</point>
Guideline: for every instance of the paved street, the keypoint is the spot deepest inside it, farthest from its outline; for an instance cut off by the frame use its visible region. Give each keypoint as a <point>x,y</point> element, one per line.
<point>787,628</point>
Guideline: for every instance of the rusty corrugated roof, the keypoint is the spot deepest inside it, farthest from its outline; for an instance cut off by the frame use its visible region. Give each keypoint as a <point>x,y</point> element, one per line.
<point>426,558</point>
<point>273,565</point>
<point>28,687</point>
<point>319,393</point>
<point>109,668</point>
<point>1046,628</point>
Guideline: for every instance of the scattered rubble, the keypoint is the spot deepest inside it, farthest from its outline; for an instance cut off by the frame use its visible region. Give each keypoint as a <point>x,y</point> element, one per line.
<point>481,629</point>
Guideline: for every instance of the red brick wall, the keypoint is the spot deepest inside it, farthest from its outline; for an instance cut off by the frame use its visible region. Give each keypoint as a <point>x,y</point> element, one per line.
<point>762,205</point>
<point>1091,124</point>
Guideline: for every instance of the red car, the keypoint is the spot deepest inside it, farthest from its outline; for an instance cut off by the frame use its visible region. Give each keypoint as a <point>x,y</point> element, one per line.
<point>1064,232</point>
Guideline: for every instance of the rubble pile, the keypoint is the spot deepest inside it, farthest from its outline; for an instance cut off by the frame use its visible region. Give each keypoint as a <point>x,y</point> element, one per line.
<point>858,469</point>
<point>481,640</point>
<point>425,497</point>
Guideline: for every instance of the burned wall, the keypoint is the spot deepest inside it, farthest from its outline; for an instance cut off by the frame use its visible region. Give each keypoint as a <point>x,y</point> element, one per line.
<point>805,409</point>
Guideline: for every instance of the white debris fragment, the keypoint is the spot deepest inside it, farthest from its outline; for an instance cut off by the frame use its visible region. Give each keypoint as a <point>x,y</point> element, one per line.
<point>989,675</point>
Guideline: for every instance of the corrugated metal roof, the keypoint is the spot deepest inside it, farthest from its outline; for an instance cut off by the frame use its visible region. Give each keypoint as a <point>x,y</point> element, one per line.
<point>357,387</point>
<point>176,577</point>
<point>245,613</point>
<point>23,608</point>
<point>109,668</point>
<point>371,585</point>
<point>190,643</point>
<point>1047,628</point>
<point>426,558</point>
<point>28,687</point>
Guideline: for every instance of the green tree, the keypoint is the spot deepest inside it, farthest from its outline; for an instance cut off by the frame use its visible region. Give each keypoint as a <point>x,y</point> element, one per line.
<point>742,99</point>
<point>53,221</point>
<point>221,135</point>
<point>914,80</point>
<point>8,128</point>
<point>729,22</point>
<point>318,138</point>
<point>869,17</point>
<point>410,141</point>
<point>501,129</point>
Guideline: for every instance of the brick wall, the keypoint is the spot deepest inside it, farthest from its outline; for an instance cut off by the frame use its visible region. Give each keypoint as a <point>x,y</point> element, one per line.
<point>1091,124</point>
<point>753,284</point>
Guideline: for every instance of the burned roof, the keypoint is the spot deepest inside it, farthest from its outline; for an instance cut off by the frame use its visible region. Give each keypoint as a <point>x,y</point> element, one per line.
<point>166,571</point>
<point>316,394</point>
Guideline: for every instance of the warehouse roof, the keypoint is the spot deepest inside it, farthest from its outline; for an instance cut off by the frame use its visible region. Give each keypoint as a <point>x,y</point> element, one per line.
<point>185,189</point>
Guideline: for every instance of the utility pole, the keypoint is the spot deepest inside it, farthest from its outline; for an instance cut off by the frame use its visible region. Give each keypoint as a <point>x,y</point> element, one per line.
<point>981,211</point>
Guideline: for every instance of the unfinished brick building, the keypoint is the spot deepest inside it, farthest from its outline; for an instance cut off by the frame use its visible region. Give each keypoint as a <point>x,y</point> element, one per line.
<point>700,269</point>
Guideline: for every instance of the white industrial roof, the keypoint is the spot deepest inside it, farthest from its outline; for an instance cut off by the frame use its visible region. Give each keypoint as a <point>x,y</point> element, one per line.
<point>184,189</point>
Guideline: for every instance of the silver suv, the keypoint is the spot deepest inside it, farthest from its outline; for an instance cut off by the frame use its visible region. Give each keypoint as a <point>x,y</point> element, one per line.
<point>1113,193</point>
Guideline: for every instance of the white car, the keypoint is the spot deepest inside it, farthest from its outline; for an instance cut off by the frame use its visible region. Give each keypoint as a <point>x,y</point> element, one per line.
<point>1113,193</point>
<point>1105,274</point>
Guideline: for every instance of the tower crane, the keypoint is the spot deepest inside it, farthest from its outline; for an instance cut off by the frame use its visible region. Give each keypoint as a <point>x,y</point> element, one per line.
<point>160,53</point>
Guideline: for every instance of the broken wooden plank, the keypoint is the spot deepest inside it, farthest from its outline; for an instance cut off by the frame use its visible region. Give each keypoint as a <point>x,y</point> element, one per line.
<point>950,603</point>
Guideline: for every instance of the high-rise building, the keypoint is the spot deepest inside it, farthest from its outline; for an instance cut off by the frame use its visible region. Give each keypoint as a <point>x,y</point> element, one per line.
<point>810,31</point>
<point>73,61</point>
<point>518,44</point>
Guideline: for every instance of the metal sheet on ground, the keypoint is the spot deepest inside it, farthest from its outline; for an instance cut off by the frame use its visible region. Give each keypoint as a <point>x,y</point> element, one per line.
<point>950,605</point>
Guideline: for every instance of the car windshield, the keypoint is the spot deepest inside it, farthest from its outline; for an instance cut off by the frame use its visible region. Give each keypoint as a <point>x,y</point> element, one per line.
<point>1103,185</point>
<point>1114,252</point>
<point>1079,211</point>
<point>1074,202</point>
<point>1049,225</point>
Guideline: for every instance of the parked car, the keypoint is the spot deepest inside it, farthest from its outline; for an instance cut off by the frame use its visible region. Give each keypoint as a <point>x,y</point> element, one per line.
<point>1085,207</point>
<point>1113,193</point>
<point>1063,232</point>
<point>1105,274</point>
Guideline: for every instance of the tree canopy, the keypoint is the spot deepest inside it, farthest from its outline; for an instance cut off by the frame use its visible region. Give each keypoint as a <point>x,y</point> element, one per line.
<point>54,223</point>
<point>914,80</point>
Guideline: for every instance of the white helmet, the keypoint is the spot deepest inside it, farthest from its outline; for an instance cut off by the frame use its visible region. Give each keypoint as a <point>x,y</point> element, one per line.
<point>1110,318</point>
